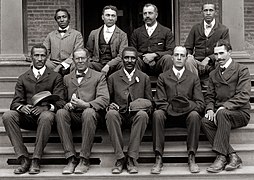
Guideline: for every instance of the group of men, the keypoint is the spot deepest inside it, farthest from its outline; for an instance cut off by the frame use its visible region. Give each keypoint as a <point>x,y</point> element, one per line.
<point>108,81</point>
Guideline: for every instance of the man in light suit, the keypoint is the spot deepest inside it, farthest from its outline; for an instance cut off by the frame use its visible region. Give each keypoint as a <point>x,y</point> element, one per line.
<point>154,42</point>
<point>227,106</point>
<point>87,96</point>
<point>24,114</point>
<point>201,41</point>
<point>61,43</point>
<point>179,101</point>
<point>106,43</point>
<point>125,86</point>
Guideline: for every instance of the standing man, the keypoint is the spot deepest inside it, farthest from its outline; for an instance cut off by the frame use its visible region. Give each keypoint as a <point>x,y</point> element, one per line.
<point>201,41</point>
<point>130,100</point>
<point>178,100</point>
<point>106,43</point>
<point>26,115</point>
<point>61,43</point>
<point>87,97</point>
<point>227,106</point>
<point>154,42</point>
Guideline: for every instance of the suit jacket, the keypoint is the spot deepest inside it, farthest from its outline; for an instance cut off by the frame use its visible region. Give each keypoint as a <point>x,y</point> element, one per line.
<point>120,88</point>
<point>92,89</point>
<point>27,86</point>
<point>118,42</point>
<point>61,48</point>
<point>201,46</point>
<point>161,41</point>
<point>169,86</point>
<point>230,89</point>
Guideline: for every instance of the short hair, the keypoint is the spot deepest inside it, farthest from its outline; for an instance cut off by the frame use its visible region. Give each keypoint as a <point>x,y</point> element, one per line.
<point>130,48</point>
<point>83,50</point>
<point>181,47</point>
<point>214,5</point>
<point>149,4</point>
<point>114,8</point>
<point>225,43</point>
<point>41,46</point>
<point>64,10</point>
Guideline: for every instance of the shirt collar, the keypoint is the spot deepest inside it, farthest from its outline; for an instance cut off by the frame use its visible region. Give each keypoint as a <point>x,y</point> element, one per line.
<point>177,71</point>
<point>227,63</point>
<point>152,27</point>
<point>212,23</point>
<point>35,71</point>
<point>109,29</point>
<point>129,76</point>
<point>83,72</point>
<point>67,28</point>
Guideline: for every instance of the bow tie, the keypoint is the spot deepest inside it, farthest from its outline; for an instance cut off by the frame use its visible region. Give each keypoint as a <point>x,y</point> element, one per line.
<point>80,75</point>
<point>62,31</point>
<point>222,69</point>
<point>208,25</point>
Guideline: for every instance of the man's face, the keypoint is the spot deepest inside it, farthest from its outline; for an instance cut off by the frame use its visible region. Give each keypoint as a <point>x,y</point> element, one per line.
<point>208,13</point>
<point>80,60</point>
<point>109,17</point>
<point>149,15</point>
<point>62,19</point>
<point>129,60</point>
<point>179,57</point>
<point>39,57</point>
<point>221,55</point>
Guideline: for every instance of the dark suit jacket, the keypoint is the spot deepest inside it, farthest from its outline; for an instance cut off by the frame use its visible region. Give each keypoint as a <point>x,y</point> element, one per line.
<point>161,41</point>
<point>92,89</point>
<point>230,89</point>
<point>27,86</point>
<point>169,86</point>
<point>201,46</point>
<point>120,88</point>
<point>118,42</point>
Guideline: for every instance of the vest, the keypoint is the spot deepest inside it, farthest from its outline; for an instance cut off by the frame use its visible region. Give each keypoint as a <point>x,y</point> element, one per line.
<point>104,49</point>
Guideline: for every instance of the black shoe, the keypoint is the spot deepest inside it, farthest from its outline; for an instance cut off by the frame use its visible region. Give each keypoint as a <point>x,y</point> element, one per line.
<point>218,165</point>
<point>118,167</point>
<point>234,162</point>
<point>24,166</point>
<point>131,165</point>
<point>193,167</point>
<point>158,165</point>
<point>35,166</point>
<point>83,166</point>
<point>72,163</point>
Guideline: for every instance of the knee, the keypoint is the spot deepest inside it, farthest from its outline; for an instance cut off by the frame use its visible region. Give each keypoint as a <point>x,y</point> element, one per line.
<point>46,118</point>
<point>143,116</point>
<point>89,115</point>
<point>60,114</point>
<point>158,116</point>
<point>9,116</point>
<point>194,118</point>
<point>112,117</point>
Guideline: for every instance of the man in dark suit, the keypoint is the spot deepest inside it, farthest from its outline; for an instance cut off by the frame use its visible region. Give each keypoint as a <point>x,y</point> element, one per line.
<point>62,42</point>
<point>125,86</point>
<point>154,42</point>
<point>106,43</point>
<point>179,101</point>
<point>24,114</point>
<point>201,41</point>
<point>87,96</point>
<point>227,106</point>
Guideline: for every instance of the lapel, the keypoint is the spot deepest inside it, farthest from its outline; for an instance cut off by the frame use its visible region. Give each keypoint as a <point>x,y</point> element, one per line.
<point>73,78</point>
<point>30,75</point>
<point>114,35</point>
<point>87,76</point>
<point>201,29</point>
<point>144,31</point>
<point>172,75</point>
<point>123,76</point>
<point>184,76</point>
<point>228,73</point>
<point>45,75</point>
<point>156,31</point>
<point>135,75</point>
<point>96,39</point>
<point>68,33</point>
<point>214,28</point>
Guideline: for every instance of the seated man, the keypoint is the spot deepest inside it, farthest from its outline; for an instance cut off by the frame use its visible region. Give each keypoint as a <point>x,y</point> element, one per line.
<point>125,86</point>
<point>106,43</point>
<point>227,106</point>
<point>27,113</point>
<point>154,42</point>
<point>179,101</point>
<point>87,97</point>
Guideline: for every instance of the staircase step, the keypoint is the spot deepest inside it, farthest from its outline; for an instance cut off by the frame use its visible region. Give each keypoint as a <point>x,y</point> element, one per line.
<point>7,84</point>
<point>5,99</point>
<point>13,68</point>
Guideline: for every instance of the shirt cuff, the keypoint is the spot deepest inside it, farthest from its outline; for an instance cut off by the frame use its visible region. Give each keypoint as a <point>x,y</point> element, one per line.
<point>65,65</point>
<point>18,108</point>
<point>52,107</point>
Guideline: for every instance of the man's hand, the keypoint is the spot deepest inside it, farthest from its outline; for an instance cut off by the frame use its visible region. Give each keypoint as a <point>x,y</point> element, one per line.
<point>58,67</point>
<point>68,106</point>
<point>113,106</point>
<point>26,109</point>
<point>149,58</point>
<point>205,61</point>
<point>105,69</point>
<point>78,103</point>
<point>38,110</point>
<point>210,115</point>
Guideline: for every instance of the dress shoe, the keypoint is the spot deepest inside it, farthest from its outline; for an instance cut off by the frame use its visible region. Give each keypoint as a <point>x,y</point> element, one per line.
<point>131,165</point>
<point>218,165</point>
<point>193,167</point>
<point>35,166</point>
<point>157,167</point>
<point>118,167</point>
<point>234,162</point>
<point>69,168</point>
<point>24,166</point>
<point>83,166</point>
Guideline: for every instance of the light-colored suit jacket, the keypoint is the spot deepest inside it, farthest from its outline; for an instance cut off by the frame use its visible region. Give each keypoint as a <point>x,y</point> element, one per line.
<point>118,42</point>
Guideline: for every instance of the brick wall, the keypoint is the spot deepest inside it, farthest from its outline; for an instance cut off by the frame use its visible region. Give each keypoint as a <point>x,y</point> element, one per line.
<point>40,18</point>
<point>249,25</point>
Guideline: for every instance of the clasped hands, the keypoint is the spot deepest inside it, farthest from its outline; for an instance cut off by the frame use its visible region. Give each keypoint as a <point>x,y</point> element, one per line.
<point>211,115</point>
<point>149,58</point>
<point>33,110</point>
<point>76,103</point>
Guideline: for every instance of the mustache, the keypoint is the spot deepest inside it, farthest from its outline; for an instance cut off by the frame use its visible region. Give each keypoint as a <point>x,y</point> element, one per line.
<point>147,19</point>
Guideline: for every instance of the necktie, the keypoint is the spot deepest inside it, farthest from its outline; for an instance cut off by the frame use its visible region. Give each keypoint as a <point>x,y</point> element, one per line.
<point>208,25</point>
<point>149,31</point>
<point>80,75</point>
<point>178,75</point>
<point>62,31</point>
<point>38,75</point>
<point>222,69</point>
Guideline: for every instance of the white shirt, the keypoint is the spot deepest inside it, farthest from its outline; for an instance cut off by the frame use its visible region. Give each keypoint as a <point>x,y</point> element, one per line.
<point>226,64</point>
<point>150,29</point>
<point>64,64</point>
<point>108,32</point>
<point>178,72</point>
<point>129,76</point>
<point>80,78</point>
<point>36,71</point>
<point>208,29</point>
<point>62,34</point>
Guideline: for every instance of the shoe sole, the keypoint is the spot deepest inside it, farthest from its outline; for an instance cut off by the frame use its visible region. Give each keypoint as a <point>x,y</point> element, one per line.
<point>157,172</point>
<point>231,168</point>
<point>214,171</point>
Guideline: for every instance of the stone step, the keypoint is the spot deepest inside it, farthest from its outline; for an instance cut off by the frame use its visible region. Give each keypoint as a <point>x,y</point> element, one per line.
<point>7,84</point>
<point>13,68</point>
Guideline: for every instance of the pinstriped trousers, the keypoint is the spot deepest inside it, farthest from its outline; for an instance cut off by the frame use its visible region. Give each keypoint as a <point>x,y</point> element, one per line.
<point>68,121</point>
<point>219,135</point>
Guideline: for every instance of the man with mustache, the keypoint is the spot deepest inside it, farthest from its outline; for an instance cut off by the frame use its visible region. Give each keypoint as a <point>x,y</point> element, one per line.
<point>227,106</point>
<point>201,41</point>
<point>154,43</point>
<point>62,42</point>
<point>106,43</point>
